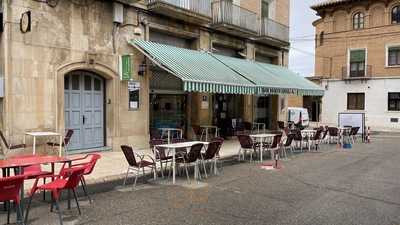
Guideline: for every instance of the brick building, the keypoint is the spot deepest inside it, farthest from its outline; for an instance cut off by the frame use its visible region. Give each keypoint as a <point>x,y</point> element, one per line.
<point>62,62</point>
<point>357,60</point>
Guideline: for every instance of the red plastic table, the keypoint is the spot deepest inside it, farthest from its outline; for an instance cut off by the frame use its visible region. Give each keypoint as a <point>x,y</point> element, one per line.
<point>28,160</point>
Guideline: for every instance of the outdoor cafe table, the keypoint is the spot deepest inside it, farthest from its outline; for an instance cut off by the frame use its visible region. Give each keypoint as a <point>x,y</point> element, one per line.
<point>209,127</point>
<point>20,162</point>
<point>43,134</point>
<point>260,138</point>
<point>173,147</point>
<point>168,130</point>
<point>308,134</point>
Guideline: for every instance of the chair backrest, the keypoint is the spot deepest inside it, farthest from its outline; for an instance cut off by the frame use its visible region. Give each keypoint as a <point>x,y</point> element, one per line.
<point>196,130</point>
<point>160,151</point>
<point>129,155</point>
<point>221,140</point>
<point>212,149</point>
<point>289,140</point>
<point>73,177</point>
<point>247,125</point>
<point>297,135</point>
<point>354,130</point>
<point>68,136</point>
<point>194,153</point>
<point>276,141</point>
<point>10,188</point>
<point>4,140</point>
<point>333,131</point>
<point>33,169</point>
<point>155,133</point>
<point>245,141</point>
<point>317,134</point>
<point>281,124</point>
<point>94,157</point>
<point>325,132</point>
<point>286,130</point>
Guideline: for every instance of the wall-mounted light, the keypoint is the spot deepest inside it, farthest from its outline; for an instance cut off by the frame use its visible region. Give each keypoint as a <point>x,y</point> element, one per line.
<point>142,68</point>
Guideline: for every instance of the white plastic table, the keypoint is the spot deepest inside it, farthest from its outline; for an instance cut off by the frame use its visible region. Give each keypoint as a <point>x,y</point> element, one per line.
<point>209,127</point>
<point>172,147</point>
<point>168,130</point>
<point>260,138</point>
<point>43,134</point>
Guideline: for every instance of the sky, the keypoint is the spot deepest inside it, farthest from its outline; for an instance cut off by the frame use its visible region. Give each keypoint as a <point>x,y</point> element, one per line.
<point>301,54</point>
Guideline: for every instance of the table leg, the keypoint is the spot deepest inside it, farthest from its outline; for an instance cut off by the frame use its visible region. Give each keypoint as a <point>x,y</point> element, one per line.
<point>173,166</point>
<point>69,190</point>
<point>181,133</point>
<point>60,150</point>
<point>169,136</point>
<point>21,217</point>
<point>261,151</point>
<point>34,145</point>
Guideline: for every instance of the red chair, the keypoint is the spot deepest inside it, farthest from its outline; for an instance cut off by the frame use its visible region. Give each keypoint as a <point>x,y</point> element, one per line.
<point>89,167</point>
<point>10,188</point>
<point>69,180</point>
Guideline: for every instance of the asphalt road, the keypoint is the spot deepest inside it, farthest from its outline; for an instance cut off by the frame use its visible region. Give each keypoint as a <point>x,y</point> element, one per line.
<point>358,186</point>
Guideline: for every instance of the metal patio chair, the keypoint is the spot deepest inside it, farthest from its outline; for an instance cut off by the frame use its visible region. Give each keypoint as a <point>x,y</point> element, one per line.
<point>137,165</point>
<point>190,158</point>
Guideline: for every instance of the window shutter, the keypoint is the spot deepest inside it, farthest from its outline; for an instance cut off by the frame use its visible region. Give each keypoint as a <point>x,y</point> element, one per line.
<point>357,56</point>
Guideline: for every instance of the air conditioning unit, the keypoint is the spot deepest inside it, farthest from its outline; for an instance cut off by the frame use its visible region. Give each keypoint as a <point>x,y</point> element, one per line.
<point>118,13</point>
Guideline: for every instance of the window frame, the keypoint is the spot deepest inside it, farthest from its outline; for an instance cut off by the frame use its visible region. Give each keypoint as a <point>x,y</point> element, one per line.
<point>349,61</point>
<point>397,104</point>
<point>387,47</point>
<point>356,94</point>
<point>358,21</point>
<point>395,19</point>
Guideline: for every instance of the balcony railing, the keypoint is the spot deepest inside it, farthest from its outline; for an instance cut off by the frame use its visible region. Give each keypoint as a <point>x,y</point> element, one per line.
<point>271,28</point>
<point>202,7</point>
<point>356,74</point>
<point>225,12</point>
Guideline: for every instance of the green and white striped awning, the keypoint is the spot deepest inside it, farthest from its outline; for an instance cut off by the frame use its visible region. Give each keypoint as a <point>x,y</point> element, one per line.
<point>199,71</point>
<point>206,72</point>
<point>271,79</point>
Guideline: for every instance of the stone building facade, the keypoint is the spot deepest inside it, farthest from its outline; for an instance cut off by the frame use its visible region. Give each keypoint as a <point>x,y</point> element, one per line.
<point>65,69</point>
<point>356,60</point>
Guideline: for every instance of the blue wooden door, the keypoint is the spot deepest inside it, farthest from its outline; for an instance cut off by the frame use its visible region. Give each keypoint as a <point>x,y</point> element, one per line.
<point>84,109</point>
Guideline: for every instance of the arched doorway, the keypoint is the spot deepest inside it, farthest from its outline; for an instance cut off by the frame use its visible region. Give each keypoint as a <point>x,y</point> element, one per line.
<point>84,109</point>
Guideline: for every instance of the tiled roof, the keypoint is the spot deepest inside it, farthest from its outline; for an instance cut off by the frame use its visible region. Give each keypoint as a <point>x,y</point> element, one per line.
<point>326,3</point>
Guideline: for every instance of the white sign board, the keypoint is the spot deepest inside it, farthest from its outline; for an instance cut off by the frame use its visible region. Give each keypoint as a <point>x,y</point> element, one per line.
<point>352,119</point>
<point>133,85</point>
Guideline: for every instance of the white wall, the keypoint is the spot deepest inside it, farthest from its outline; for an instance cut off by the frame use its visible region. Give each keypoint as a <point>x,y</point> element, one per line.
<point>376,102</point>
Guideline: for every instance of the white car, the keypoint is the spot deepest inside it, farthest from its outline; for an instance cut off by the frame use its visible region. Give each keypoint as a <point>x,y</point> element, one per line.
<point>298,116</point>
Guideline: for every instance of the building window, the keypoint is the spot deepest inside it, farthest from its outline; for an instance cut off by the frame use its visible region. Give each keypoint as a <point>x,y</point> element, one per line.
<point>357,63</point>
<point>321,38</point>
<point>396,15</point>
<point>358,21</point>
<point>394,101</point>
<point>393,56</point>
<point>355,101</point>
<point>265,9</point>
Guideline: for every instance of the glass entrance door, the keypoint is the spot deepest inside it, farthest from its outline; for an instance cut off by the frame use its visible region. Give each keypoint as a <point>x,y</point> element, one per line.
<point>168,111</point>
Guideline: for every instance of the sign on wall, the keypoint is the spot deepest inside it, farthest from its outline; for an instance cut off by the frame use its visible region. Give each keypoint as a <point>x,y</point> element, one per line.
<point>125,67</point>
<point>134,94</point>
